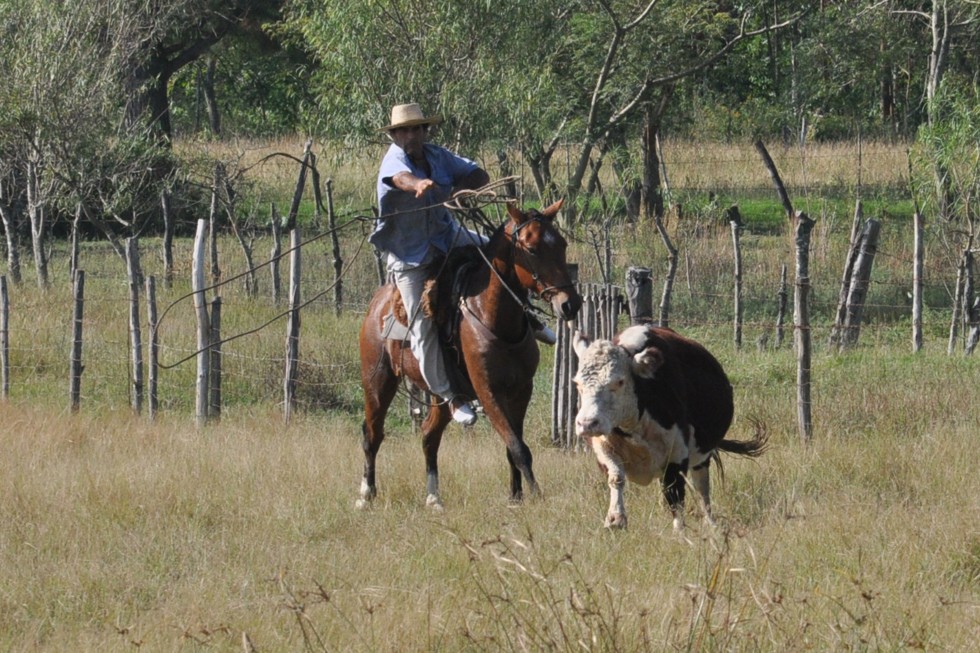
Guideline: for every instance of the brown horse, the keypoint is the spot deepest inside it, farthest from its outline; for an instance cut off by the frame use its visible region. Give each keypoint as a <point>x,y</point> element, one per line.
<point>499,354</point>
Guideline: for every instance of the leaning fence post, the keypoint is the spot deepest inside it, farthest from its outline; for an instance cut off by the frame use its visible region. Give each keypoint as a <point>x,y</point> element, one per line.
<point>804,225</point>
<point>4,340</point>
<point>75,372</point>
<point>292,326</point>
<point>845,282</point>
<point>203,328</point>
<point>338,261</point>
<point>860,280</point>
<point>154,346</point>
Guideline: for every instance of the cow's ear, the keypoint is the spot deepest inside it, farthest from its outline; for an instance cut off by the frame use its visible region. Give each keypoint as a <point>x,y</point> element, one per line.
<point>580,342</point>
<point>647,362</point>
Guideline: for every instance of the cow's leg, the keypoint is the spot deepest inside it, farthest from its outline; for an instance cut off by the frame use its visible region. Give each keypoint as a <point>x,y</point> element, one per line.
<point>674,486</point>
<point>616,477</point>
<point>432,430</point>
<point>701,480</point>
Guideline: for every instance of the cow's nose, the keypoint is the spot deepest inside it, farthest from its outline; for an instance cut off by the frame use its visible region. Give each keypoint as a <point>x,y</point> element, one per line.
<point>586,424</point>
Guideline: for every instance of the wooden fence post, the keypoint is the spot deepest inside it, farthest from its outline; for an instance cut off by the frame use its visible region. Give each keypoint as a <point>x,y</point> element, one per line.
<point>292,326</point>
<point>782,300</point>
<point>917,265</point>
<point>135,335</point>
<point>954,325</point>
<point>154,347</point>
<point>274,257</point>
<point>801,306</point>
<point>168,239</point>
<point>672,259</point>
<point>564,395</point>
<point>4,340</point>
<point>203,327</point>
<point>214,375</point>
<point>971,309</point>
<point>639,294</point>
<point>76,366</point>
<point>338,261</point>
<point>860,281</point>
<point>219,173</point>
<point>735,219</point>
<point>845,282</point>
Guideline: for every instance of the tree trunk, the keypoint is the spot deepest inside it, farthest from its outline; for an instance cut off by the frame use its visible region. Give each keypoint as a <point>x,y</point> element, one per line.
<point>652,185</point>
<point>36,212</point>
<point>11,223</point>
<point>214,117</point>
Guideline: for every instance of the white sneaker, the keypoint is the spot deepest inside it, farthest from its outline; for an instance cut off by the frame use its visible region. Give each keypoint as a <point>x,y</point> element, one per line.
<point>545,335</point>
<point>463,413</point>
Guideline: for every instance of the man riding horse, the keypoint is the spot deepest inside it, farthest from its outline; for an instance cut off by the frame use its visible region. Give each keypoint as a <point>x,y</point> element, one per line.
<point>414,180</point>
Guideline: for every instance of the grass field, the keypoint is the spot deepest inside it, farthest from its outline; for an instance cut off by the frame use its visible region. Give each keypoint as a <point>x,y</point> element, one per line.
<point>119,534</point>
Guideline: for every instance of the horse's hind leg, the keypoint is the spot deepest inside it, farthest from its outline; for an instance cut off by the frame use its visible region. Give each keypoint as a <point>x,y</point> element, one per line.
<point>377,397</point>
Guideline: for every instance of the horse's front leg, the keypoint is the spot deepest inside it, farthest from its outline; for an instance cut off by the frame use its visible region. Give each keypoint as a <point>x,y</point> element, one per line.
<point>508,421</point>
<point>521,469</point>
<point>432,430</point>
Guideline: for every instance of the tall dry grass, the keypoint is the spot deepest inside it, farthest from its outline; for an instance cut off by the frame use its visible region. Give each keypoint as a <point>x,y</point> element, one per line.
<point>119,534</point>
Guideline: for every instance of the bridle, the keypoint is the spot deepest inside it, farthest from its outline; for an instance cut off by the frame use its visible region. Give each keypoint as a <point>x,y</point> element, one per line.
<point>549,291</point>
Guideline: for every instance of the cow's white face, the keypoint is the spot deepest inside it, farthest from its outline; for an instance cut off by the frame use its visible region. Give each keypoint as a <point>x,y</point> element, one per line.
<point>605,387</point>
<point>607,394</point>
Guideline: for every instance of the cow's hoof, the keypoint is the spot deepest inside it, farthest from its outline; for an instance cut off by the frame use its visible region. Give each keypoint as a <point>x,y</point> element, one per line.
<point>362,504</point>
<point>433,502</point>
<point>615,520</point>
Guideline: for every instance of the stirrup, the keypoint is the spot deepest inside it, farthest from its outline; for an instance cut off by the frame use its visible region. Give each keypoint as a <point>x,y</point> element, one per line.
<point>463,413</point>
<point>545,335</point>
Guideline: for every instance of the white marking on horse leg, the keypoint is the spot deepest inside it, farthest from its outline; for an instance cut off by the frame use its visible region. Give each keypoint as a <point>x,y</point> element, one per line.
<point>367,495</point>
<point>432,498</point>
<point>679,522</point>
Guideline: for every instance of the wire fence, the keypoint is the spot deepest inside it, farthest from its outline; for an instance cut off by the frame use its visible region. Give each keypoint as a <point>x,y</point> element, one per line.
<point>39,324</point>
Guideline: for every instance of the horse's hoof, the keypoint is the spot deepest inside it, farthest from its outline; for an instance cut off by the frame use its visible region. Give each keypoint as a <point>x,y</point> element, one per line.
<point>434,502</point>
<point>362,504</point>
<point>615,521</point>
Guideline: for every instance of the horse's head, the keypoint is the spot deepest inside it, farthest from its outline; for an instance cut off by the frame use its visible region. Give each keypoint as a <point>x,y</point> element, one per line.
<point>539,258</point>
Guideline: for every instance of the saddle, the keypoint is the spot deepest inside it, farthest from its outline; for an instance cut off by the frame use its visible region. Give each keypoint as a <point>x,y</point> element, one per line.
<point>440,303</point>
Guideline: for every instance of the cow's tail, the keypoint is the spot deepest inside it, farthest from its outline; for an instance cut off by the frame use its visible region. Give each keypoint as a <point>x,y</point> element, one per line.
<point>751,448</point>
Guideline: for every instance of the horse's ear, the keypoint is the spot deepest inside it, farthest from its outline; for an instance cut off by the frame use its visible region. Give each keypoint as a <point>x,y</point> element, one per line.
<point>552,210</point>
<point>514,212</point>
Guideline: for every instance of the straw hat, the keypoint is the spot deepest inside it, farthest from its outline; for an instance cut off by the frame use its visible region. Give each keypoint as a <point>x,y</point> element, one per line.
<point>409,115</point>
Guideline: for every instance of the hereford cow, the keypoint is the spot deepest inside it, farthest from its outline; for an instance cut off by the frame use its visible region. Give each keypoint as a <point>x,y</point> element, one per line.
<point>655,404</point>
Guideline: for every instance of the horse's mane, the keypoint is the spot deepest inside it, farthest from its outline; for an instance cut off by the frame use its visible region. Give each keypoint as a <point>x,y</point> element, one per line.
<point>495,237</point>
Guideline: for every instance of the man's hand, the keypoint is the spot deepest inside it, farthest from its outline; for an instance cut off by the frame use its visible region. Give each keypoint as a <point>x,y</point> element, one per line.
<point>408,182</point>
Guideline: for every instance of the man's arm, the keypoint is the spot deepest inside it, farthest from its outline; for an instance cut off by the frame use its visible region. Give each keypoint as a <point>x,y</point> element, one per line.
<point>409,183</point>
<point>474,180</point>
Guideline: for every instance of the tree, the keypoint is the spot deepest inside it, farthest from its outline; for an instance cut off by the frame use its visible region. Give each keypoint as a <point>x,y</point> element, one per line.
<point>163,37</point>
